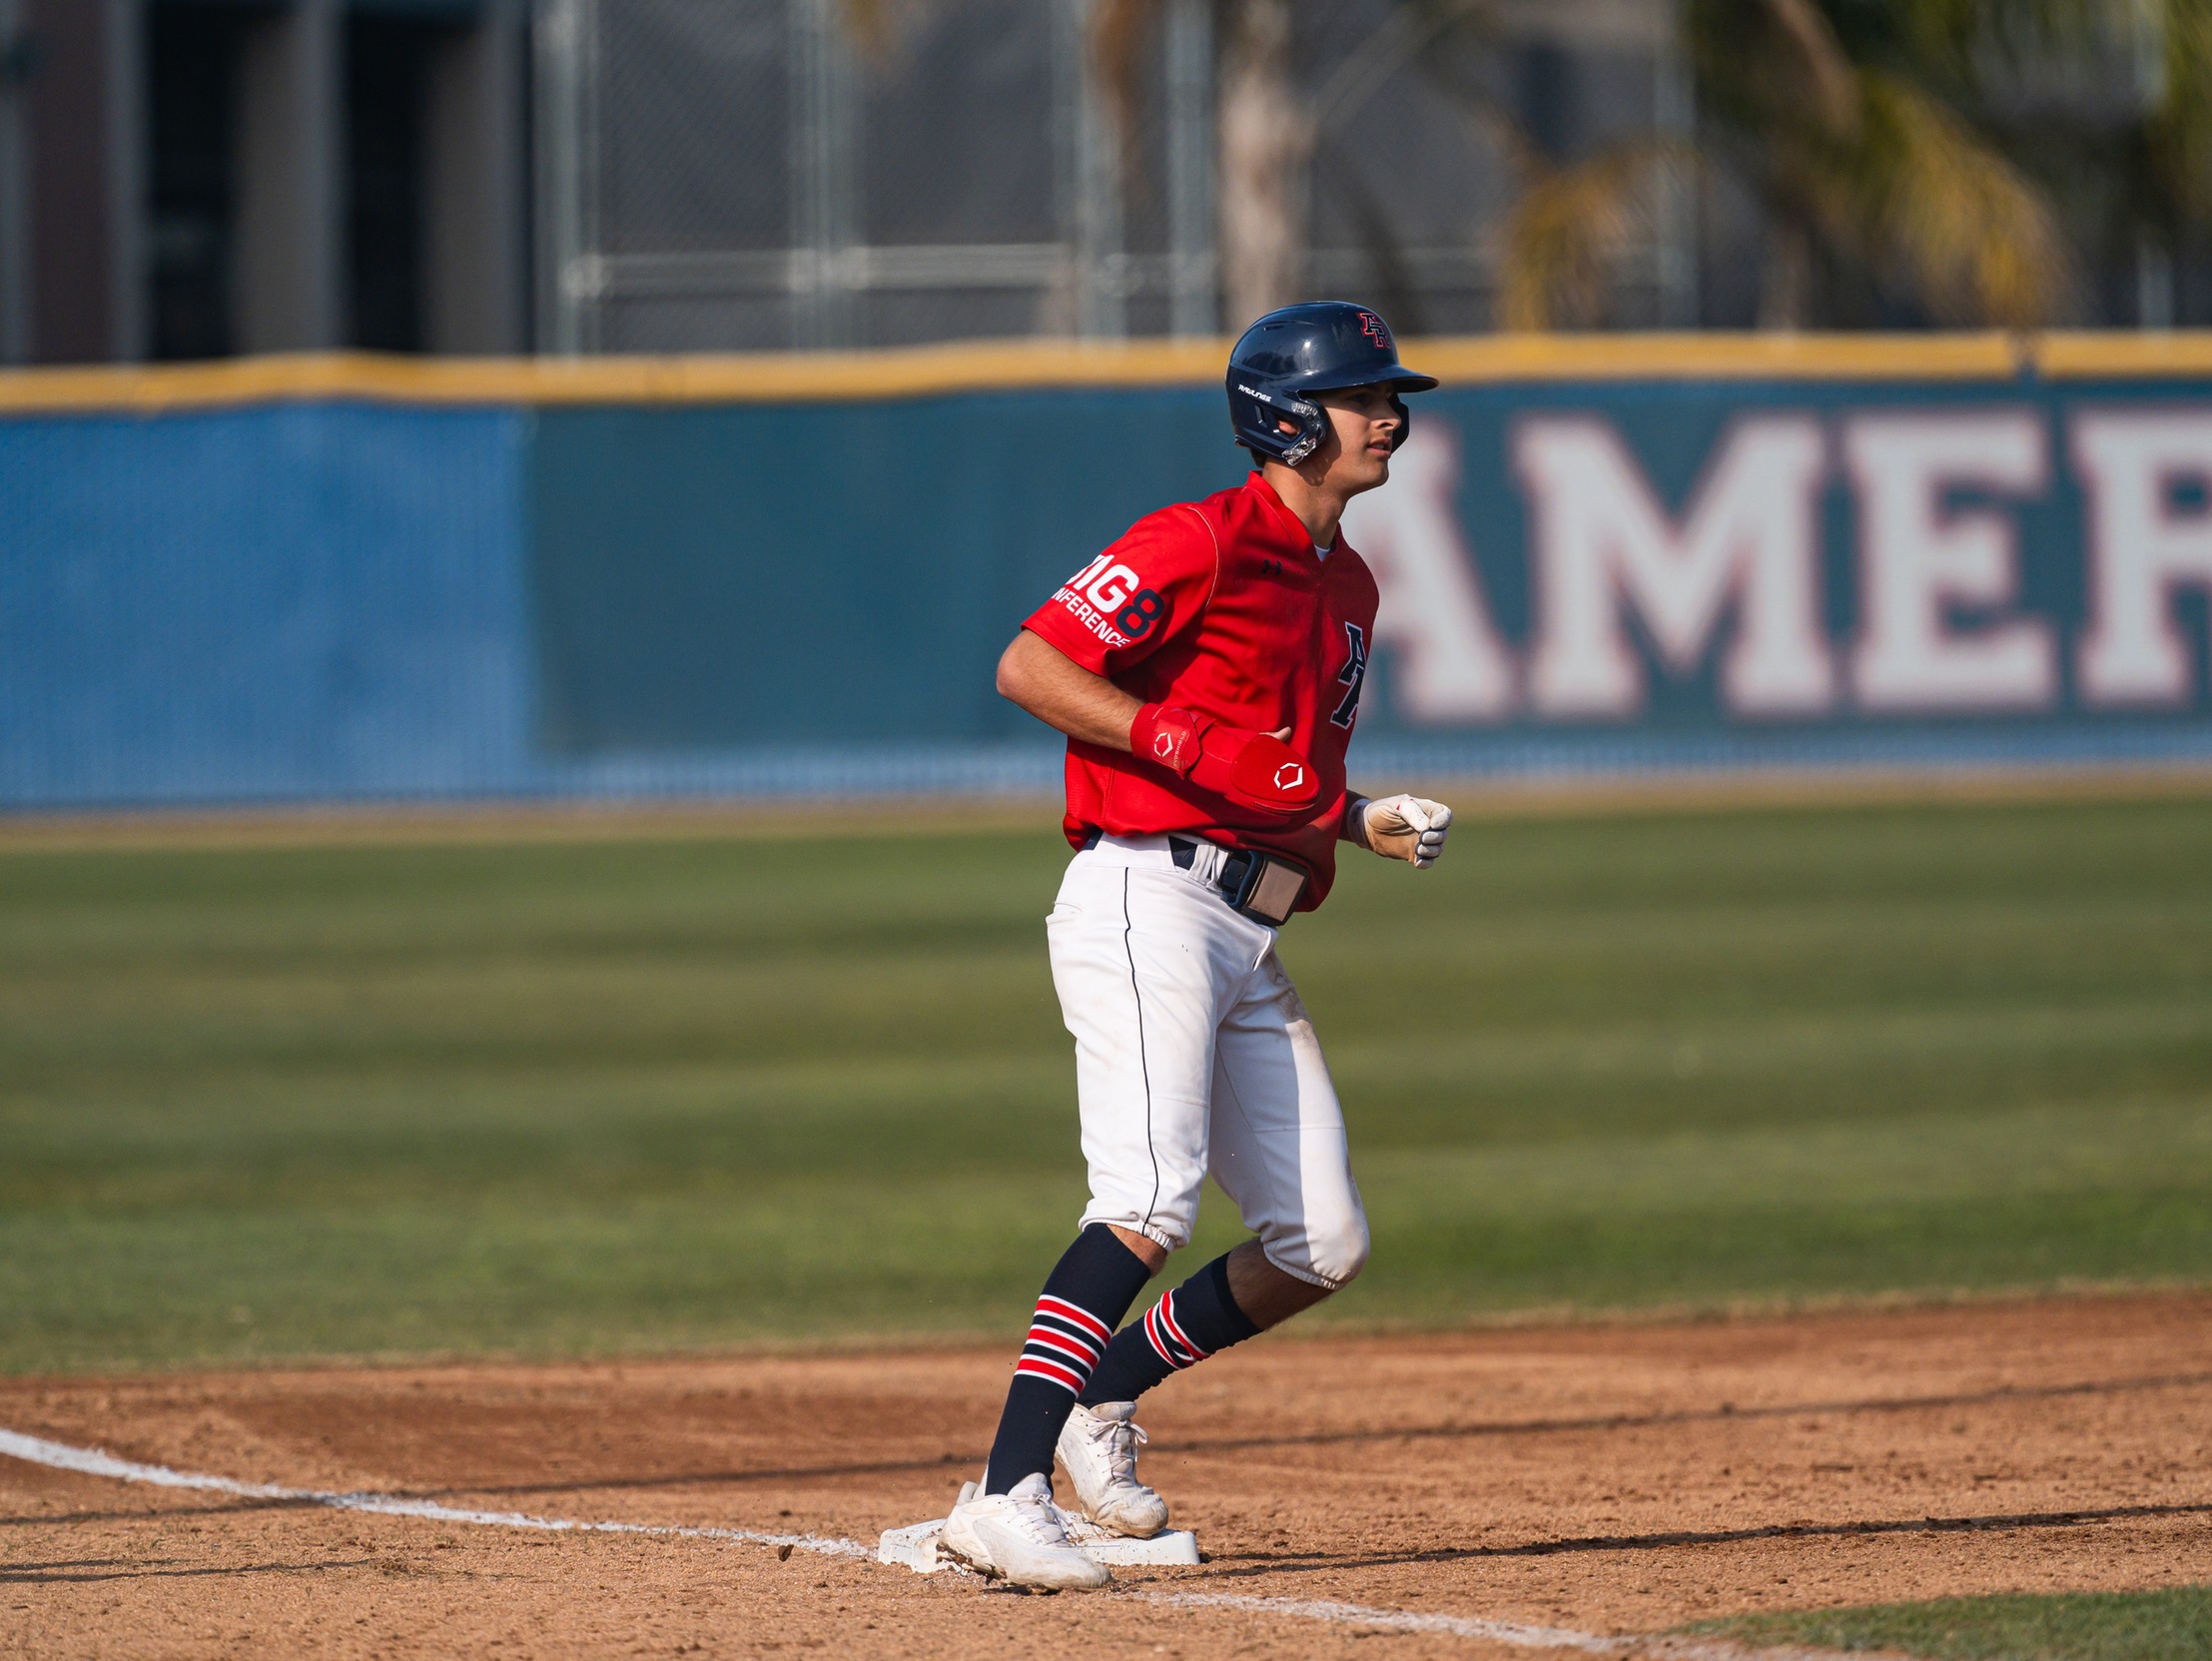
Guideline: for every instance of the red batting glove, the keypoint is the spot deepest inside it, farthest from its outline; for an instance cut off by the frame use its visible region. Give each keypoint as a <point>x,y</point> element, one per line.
<point>1252,769</point>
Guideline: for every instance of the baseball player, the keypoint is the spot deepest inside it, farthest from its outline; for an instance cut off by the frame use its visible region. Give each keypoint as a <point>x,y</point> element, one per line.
<point>1206,669</point>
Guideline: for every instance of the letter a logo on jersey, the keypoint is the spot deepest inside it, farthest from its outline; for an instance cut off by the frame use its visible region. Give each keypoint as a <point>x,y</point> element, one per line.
<point>1351,677</point>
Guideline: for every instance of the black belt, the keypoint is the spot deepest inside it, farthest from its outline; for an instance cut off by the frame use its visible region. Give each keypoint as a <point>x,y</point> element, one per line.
<point>1265,887</point>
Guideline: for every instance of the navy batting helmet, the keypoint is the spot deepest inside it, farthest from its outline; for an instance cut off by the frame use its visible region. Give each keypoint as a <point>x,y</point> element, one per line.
<point>1326,346</point>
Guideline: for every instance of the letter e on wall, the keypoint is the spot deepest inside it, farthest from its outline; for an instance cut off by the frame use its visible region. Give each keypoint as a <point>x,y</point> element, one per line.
<point>1920,558</point>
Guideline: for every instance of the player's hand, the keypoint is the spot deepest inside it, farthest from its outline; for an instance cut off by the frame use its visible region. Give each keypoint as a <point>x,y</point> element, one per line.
<point>1256,770</point>
<point>1411,828</point>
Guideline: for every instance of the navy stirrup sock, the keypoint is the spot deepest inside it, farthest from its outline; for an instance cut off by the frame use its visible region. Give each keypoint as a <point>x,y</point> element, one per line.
<point>1084,1298</point>
<point>1186,1327</point>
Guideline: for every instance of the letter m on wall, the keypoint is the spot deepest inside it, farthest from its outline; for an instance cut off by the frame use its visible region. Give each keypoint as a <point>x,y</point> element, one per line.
<point>1748,538</point>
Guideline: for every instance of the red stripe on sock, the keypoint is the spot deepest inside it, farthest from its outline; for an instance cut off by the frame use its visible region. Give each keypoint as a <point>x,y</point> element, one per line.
<point>1047,1322</point>
<point>1080,1316</point>
<point>1065,1345</point>
<point>1153,1338</point>
<point>1167,1316</point>
<point>1038,1367</point>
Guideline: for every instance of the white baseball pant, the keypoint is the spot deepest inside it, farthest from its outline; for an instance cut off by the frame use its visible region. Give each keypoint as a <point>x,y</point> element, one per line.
<point>1193,1054</point>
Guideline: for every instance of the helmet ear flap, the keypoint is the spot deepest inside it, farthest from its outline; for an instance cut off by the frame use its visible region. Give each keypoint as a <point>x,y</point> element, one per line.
<point>1313,427</point>
<point>1260,411</point>
<point>1405,423</point>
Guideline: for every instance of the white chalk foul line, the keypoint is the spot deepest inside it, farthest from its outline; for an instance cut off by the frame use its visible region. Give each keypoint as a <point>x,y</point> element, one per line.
<point>93,1462</point>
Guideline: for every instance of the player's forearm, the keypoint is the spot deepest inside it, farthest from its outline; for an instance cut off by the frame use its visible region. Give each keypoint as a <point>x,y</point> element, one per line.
<point>1065,696</point>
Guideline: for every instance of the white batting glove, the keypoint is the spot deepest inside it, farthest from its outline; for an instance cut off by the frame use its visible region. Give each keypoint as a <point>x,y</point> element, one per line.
<point>1411,828</point>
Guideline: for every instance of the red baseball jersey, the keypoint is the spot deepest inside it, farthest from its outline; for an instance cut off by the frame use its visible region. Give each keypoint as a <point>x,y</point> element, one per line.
<point>1223,606</point>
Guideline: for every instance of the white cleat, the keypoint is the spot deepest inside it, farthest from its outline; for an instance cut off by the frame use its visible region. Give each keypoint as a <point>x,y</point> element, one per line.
<point>1019,1538</point>
<point>1099,1447</point>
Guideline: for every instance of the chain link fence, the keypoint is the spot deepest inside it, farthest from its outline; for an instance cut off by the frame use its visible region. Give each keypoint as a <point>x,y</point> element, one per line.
<point>758,175</point>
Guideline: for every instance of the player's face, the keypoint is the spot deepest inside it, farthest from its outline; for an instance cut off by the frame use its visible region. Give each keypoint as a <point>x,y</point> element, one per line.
<point>1363,429</point>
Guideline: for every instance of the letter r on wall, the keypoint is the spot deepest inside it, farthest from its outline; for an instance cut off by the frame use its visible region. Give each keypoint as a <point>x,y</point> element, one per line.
<point>2141,548</point>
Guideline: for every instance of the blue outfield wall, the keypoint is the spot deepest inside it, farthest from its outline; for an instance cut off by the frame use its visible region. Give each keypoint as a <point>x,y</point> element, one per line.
<point>340,597</point>
<point>270,604</point>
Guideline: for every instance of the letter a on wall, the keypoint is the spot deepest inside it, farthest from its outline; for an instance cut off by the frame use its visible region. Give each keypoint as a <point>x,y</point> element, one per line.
<point>1449,663</point>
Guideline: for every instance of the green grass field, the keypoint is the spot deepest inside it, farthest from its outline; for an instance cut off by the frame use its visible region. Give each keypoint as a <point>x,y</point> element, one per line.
<point>2170,1625</point>
<point>542,1097</point>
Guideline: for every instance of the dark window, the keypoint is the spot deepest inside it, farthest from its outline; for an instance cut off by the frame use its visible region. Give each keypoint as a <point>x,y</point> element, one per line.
<point>388,68</point>
<point>1548,98</point>
<point>191,67</point>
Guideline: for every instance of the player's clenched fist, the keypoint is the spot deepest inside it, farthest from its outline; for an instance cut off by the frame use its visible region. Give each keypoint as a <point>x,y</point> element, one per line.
<point>1252,769</point>
<point>1411,828</point>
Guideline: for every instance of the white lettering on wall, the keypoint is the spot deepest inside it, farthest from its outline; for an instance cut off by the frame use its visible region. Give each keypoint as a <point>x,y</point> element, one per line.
<point>1601,539</point>
<point>1448,664</point>
<point>2141,548</point>
<point>1920,558</point>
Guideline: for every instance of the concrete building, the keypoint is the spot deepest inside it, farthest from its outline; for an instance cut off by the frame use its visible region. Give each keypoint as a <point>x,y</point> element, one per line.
<point>186,179</point>
<point>197,177</point>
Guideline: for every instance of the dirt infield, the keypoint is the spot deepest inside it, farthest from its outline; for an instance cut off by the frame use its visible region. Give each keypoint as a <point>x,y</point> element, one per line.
<point>1603,1479</point>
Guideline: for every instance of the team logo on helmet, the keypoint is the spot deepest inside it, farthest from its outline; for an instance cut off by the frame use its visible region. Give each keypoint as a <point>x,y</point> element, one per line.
<point>1375,330</point>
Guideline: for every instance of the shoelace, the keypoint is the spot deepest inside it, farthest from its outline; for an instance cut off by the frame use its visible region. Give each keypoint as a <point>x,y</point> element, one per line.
<point>1036,1517</point>
<point>1122,1442</point>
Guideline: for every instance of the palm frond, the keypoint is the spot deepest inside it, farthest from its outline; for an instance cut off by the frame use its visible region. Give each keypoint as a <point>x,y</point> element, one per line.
<point>2178,136</point>
<point>1565,232</point>
<point>1978,238</point>
<point>1824,69</point>
<point>1121,30</point>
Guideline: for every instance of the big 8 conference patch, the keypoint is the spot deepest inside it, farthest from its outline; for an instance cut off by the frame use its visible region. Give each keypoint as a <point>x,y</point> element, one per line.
<point>1110,601</point>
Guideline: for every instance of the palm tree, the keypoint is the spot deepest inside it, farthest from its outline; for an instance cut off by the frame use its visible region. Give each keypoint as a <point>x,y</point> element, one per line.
<point>1897,149</point>
<point>1265,141</point>
<point>1263,138</point>
<point>1859,145</point>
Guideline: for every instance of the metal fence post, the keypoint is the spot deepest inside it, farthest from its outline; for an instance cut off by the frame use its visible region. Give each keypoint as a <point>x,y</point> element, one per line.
<point>2154,263</point>
<point>15,219</point>
<point>569,275</point>
<point>1193,300</point>
<point>824,144</point>
<point>1675,114</point>
<point>1091,178</point>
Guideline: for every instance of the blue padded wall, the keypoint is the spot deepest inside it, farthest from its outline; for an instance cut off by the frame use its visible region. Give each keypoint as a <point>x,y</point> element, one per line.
<point>285,602</point>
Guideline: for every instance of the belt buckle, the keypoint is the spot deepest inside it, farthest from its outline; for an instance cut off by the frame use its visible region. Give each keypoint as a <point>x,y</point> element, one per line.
<point>1268,889</point>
